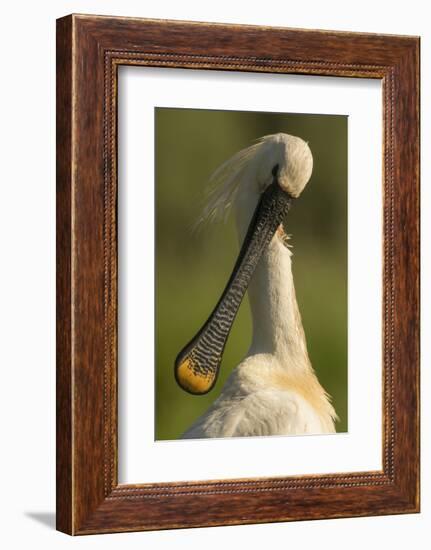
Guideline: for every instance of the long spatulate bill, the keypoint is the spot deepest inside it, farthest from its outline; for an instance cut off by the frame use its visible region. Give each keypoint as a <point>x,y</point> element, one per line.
<point>198,363</point>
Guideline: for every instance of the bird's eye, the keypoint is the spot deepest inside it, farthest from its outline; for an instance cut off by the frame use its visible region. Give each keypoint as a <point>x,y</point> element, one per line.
<point>275,171</point>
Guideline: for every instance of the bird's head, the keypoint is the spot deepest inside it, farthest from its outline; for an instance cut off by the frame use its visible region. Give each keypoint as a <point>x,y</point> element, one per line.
<point>293,157</point>
<point>242,179</point>
<point>261,182</point>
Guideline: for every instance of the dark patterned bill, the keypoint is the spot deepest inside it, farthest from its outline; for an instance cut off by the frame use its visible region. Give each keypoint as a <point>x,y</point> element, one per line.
<point>198,363</point>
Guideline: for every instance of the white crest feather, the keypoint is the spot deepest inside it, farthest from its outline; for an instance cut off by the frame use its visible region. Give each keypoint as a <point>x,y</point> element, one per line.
<point>223,185</point>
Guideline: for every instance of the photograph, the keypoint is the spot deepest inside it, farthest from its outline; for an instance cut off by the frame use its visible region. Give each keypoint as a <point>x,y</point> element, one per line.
<point>251,273</point>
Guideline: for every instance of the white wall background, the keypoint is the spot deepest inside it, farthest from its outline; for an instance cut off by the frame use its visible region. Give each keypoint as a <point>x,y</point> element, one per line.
<point>27,245</point>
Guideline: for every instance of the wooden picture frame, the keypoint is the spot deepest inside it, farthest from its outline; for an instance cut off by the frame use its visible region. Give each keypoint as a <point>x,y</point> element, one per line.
<point>89,52</point>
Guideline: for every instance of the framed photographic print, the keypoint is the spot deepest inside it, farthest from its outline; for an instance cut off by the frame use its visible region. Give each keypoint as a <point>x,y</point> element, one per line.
<point>237,274</point>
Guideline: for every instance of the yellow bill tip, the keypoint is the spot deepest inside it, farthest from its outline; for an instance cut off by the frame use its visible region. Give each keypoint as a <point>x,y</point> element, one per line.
<point>191,380</point>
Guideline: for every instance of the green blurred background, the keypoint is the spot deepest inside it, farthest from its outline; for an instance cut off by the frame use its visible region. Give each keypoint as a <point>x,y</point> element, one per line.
<point>192,268</point>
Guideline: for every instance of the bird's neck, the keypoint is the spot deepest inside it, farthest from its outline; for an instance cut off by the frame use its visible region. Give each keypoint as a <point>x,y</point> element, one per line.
<point>277,325</point>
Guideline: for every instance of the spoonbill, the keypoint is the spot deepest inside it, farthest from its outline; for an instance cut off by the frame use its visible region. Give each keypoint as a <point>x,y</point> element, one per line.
<point>274,390</point>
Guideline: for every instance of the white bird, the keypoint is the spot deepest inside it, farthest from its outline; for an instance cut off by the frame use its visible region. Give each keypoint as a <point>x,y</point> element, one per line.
<point>274,390</point>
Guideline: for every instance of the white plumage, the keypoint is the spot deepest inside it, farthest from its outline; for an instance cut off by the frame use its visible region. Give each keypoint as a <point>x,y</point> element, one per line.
<point>274,390</point>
